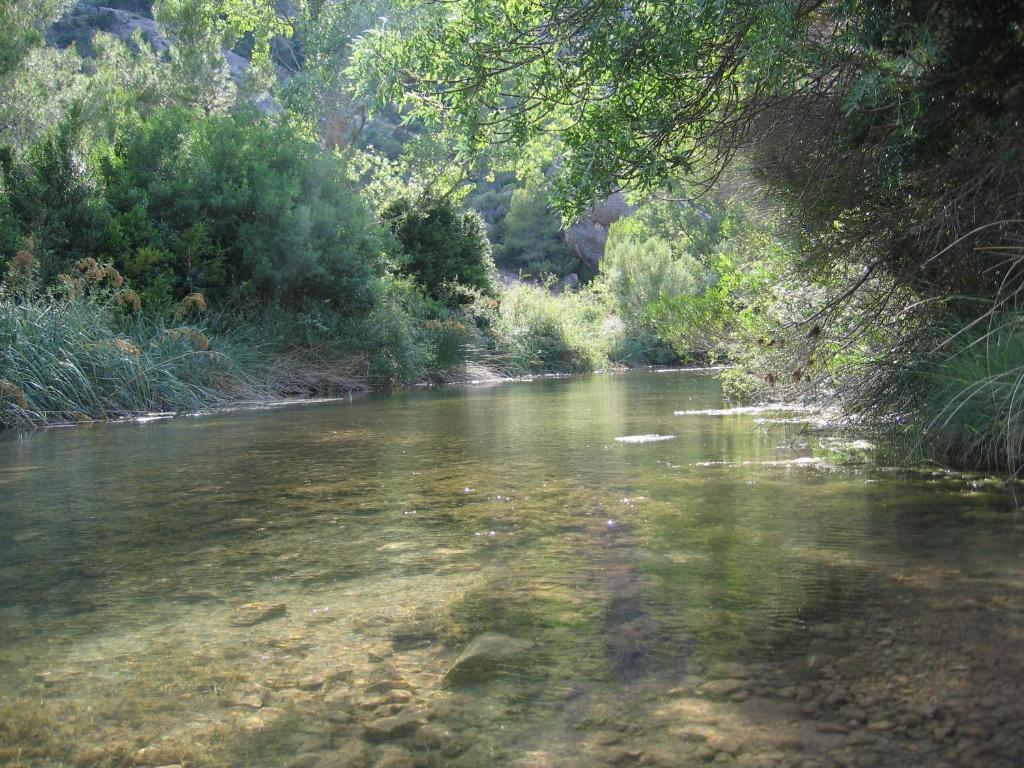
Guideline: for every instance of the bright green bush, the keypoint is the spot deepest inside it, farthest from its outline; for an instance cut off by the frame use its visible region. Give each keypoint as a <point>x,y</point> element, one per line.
<point>535,330</point>
<point>638,269</point>
<point>744,306</point>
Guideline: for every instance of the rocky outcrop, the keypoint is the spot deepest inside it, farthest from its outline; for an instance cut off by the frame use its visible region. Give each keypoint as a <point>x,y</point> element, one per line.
<point>587,236</point>
<point>114,21</point>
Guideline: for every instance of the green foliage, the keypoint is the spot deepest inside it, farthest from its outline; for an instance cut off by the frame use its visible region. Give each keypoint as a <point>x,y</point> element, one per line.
<point>607,81</point>
<point>51,197</point>
<point>126,79</point>
<point>537,331</point>
<point>241,210</point>
<point>744,305</point>
<point>647,267</point>
<point>638,269</point>
<point>22,23</point>
<point>319,93</point>
<point>445,248</point>
<point>38,95</point>
<point>230,206</point>
<point>693,229</point>
<point>531,238</point>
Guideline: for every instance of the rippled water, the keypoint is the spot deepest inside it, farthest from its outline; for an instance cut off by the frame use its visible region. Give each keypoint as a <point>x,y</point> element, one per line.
<point>705,591</point>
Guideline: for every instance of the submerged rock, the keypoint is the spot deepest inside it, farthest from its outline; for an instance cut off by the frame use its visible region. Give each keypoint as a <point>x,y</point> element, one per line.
<point>318,680</point>
<point>394,757</point>
<point>155,755</point>
<point>728,670</point>
<point>387,728</point>
<point>435,736</point>
<point>721,688</point>
<point>485,656</point>
<point>352,754</point>
<point>252,696</point>
<point>254,613</point>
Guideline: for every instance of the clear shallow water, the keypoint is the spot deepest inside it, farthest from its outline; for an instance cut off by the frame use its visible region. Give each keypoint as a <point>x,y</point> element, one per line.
<point>713,597</point>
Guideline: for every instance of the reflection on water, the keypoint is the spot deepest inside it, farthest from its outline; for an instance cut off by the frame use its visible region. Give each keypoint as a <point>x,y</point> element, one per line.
<point>497,577</point>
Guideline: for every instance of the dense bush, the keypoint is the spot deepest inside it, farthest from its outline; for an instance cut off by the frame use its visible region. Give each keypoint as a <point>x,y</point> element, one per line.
<point>532,241</point>
<point>743,307</point>
<point>232,206</point>
<point>445,248</point>
<point>638,269</point>
<point>240,209</point>
<point>51,196</point>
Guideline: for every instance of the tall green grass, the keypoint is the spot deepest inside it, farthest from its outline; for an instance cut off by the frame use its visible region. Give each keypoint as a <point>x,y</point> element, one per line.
<point>73,359</point>
<point>971,398</point>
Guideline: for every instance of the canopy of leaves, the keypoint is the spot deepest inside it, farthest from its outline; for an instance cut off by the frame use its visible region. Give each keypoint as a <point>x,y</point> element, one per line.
<point>637,92</point>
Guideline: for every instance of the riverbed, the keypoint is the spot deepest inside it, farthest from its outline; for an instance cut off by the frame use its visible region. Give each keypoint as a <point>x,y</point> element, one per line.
<point>605,570</point>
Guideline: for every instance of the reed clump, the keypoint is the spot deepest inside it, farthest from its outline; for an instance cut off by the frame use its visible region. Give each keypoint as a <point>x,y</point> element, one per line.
<point>68,357</point>
<point>968,404</point>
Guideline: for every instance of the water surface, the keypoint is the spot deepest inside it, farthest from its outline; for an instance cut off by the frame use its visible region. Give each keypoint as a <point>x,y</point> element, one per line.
<point>712,595</point>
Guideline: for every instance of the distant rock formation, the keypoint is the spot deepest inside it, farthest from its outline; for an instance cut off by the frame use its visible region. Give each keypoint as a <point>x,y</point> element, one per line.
<point>588,234</point>
<point>119,23</point>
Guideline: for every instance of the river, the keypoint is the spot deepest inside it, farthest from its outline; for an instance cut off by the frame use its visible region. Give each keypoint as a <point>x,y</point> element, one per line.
<point>493,577</point>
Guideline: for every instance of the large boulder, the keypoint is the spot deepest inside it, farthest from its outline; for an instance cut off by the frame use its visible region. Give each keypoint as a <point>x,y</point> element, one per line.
<point>587,236</point>
<point>486,656</point>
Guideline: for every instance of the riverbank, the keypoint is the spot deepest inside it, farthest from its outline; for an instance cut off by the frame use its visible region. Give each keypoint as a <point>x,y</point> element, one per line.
<point>93,357</point>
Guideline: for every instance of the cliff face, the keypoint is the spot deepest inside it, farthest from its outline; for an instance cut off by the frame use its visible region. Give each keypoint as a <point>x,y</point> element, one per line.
<point>82,21</point>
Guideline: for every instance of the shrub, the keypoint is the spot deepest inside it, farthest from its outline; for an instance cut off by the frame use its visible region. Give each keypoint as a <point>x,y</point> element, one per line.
<point>51,196</point>
<point>239,209</point>
<point>444,247</point>
<point>532,238</point>
<point>639,269</point>
<point>744,306</point>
